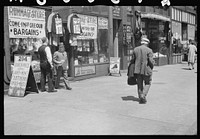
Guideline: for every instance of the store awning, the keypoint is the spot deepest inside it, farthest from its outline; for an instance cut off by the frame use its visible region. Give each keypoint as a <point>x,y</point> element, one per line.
<point>154,16</point>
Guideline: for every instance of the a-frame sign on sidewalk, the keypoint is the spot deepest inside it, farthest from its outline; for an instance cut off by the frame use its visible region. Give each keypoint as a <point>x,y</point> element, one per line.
<point>22,77</point>
<point>114,66</point>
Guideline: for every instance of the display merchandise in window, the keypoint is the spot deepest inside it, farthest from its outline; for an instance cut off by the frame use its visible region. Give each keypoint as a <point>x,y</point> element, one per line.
<point>85,52</point>
<point>103,45</point>
<point>25,46</point>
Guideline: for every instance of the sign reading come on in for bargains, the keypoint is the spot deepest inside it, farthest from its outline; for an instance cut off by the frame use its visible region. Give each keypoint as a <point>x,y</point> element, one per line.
<point>26,22</point>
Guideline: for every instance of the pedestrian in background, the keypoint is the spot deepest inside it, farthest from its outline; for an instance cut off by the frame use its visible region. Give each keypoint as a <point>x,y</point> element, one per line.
<point>61,64</point>
<point>192,49</point>
<point>143,57</point>
<point>46,66</point>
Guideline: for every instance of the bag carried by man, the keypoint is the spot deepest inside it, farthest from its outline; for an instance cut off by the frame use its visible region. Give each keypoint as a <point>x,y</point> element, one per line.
<point>131,77</point>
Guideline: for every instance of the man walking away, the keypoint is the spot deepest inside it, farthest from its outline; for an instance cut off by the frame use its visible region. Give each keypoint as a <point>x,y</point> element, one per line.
<point>46,66</point>
<point>143,57</point>
<point>61,64</point>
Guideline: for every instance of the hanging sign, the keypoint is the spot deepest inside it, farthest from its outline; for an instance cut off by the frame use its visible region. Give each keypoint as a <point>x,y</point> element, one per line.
<point>26,22</point>
<point>114,65</point>
<point>88,27</point>
<point>77,25</point>
<point>116,11</point>
<point>58,22</point>
<point>22,72</point>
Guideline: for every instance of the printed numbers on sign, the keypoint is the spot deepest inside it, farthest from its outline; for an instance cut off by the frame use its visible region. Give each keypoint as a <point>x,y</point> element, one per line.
<point>23,58</point>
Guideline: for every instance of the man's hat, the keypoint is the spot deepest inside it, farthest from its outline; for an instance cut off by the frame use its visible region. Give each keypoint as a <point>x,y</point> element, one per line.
<point>145,41</point>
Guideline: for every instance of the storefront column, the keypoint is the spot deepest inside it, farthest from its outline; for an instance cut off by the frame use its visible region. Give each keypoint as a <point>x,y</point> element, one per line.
<point>110,31</point>
<point>71,52</point>
<point>171,40</point>
<point>7,64</point>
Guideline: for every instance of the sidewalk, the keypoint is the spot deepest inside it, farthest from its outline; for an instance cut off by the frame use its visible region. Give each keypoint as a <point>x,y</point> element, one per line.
<point>108,106</point>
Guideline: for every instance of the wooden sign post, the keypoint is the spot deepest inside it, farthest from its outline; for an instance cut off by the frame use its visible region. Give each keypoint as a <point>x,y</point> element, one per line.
<point>22,77</point>
<point>114,65</point>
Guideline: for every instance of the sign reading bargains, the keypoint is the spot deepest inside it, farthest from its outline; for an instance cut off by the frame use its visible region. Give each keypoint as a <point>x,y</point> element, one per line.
<point>26,22</point>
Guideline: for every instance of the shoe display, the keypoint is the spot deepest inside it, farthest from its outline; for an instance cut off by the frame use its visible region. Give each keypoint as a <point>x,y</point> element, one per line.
<point>52,91</point>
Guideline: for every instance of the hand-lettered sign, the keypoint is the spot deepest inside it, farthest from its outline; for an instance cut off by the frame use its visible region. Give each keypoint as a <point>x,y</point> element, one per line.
<point>22,73</point>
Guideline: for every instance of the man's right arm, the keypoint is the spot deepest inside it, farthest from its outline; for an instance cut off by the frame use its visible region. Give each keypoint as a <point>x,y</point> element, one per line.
<point>55,55</point>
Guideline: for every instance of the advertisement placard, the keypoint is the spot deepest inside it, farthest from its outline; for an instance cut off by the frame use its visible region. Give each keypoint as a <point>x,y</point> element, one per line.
<point>85,70</point>
<point>58,22</point>
<point>88,27</point>
<point>102,23</point>
<point>22,77</point>
<point>20,74</point>
<point>26,22</point>
<point>114,65</point>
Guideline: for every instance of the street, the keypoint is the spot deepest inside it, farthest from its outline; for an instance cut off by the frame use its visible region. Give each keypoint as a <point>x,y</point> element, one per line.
<point>106,105</point>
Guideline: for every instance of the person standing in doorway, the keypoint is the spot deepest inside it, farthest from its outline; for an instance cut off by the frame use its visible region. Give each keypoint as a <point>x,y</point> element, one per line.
<point>61,64</point>
<point>192,49</point>
<point>46,66</point>
<point>144,63</point>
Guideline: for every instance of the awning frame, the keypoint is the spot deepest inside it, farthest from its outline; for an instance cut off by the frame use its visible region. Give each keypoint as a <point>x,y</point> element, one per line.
<point>155,16</point>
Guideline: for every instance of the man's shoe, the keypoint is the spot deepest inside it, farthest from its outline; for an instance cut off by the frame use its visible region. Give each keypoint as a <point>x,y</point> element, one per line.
<point>143,100</point>
<point>43,90</point>
<point>51,91</point>
<point>69,88</point>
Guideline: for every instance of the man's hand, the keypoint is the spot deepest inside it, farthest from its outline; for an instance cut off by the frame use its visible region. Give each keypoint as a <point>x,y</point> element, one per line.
<point>62,61</point>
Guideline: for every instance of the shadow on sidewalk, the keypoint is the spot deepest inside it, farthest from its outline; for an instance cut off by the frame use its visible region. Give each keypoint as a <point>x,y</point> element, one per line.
<point>132,98</point>
<point>186,68</point>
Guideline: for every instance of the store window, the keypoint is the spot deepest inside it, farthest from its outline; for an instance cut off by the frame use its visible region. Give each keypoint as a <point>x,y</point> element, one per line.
<point>92,44</point>
<point>24,46</point>
<point>24,29</point>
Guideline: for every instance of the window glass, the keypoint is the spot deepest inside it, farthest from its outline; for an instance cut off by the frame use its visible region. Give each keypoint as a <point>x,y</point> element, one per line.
<point>85,52</point>
<point>103,45</point>
<point>24,46</point>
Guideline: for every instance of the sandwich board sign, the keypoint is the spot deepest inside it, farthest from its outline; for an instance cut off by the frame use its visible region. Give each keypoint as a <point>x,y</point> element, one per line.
<point>22,77</point>
<point>114,65</point>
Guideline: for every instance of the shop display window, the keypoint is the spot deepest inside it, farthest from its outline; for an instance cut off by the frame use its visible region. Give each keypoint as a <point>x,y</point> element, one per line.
<point>103,45</point>
<point>25,46</point>
<point>91,51</point>
<point>85,52</point>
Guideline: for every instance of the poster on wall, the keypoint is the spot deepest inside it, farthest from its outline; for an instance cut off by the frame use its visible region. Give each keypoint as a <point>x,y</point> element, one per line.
<point>114,65</point>
<point>26,22</point>
<point>22,76</point>
<point>102,23</point>
<point>88,27</point>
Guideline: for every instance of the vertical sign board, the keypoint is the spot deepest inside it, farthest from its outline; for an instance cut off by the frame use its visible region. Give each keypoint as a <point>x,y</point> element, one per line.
<point>114,65</point>
<point>20,75</point>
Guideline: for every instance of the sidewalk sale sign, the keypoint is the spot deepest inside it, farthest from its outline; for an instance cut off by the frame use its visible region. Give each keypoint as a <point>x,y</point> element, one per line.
<point>114,65</point>
<point>22,76</point>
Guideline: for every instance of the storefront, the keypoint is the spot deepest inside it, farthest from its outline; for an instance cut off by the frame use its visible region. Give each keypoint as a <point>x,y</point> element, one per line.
<point>183,29</point>
<point>87,43</point>
<point>23,29</point>
<point>90,48</point>
<point>156,28</point>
